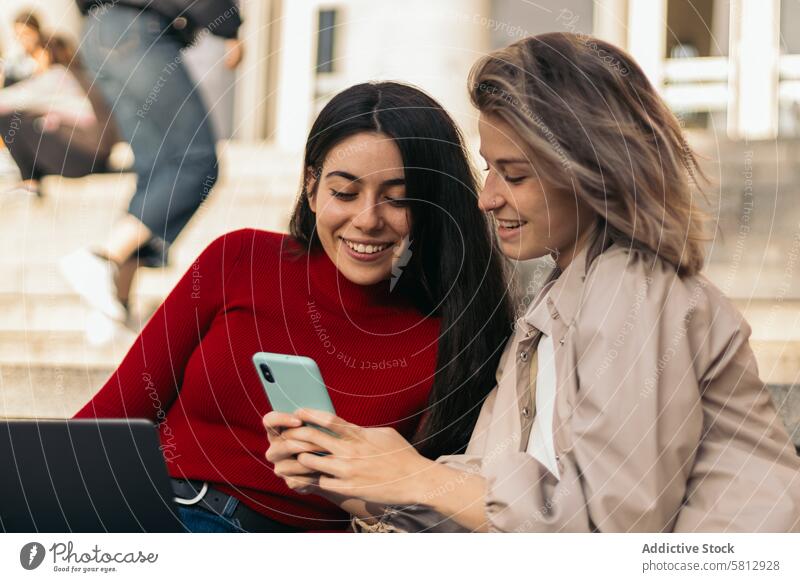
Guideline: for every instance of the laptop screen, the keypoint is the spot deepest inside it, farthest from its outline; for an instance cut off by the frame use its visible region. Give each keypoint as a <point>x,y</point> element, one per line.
<point>86,475</point>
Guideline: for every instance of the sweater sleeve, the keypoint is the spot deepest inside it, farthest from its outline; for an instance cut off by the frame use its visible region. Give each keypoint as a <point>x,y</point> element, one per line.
<point>152,370</point>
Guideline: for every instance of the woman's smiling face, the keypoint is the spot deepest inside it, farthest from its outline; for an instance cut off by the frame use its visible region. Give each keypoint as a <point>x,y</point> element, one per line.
<point>362,219</point>
<point>532,220</point>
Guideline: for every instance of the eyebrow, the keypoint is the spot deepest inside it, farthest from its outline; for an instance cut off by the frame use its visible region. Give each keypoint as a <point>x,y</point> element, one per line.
<point>352,178</point>
<point>507,161</point>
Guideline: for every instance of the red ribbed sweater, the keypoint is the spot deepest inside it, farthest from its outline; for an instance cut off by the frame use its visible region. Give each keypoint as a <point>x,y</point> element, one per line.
<point>190,370</point>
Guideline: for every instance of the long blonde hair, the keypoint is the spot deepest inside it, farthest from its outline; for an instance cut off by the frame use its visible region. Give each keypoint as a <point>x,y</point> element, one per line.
<point>591,119</point>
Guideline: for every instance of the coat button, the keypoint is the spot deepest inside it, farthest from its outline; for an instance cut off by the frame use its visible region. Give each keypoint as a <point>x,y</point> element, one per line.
<point>523,356</point>
<point>526,412</point>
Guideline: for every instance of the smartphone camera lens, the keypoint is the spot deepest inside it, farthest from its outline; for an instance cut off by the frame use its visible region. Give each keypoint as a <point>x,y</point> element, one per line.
<point>267,373</point>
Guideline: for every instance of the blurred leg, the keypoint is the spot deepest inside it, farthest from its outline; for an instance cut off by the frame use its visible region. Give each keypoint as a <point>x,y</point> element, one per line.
<point>125,277</point>
<point>161,115</point>
<point>129,234</point>
<point>20,137</point>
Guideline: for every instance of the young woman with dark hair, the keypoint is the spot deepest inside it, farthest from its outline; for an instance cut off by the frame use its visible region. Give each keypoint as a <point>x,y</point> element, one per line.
<point>628,398</point>
<point>389,280</point>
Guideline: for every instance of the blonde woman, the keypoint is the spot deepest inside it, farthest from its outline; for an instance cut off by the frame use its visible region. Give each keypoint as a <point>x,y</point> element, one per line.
<point>628,398</point>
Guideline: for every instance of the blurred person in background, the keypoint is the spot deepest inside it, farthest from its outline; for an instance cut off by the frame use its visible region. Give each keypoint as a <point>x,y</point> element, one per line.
<point>134,50</point>
<point>55,122</point>
<point>30,55</point>
<point>17,63</point>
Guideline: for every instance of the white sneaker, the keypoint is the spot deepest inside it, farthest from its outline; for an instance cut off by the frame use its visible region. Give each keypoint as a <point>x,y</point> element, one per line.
<point>100,331</point>
<point>93,279</point>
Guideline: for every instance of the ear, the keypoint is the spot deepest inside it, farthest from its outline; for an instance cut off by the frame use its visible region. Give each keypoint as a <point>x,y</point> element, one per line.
<point>311,189</point>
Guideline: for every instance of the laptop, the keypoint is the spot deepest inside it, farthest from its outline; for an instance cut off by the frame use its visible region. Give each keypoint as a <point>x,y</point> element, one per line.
<point>84,475</point>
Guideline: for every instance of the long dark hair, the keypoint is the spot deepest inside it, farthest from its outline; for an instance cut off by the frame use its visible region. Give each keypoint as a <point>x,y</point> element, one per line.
<point>455,271</point>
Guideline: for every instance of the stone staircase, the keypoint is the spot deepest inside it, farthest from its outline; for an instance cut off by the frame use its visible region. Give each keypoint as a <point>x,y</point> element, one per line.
<point>49,367</point>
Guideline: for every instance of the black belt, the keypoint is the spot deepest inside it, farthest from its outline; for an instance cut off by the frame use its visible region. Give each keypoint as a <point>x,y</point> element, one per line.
<point>202,495</point>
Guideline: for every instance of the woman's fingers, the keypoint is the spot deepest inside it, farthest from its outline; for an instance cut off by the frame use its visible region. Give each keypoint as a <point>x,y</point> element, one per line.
<point>275,422</point>
<point>293,468</point>
<point>333,423</point>
<point>294,447</point>
<point>315,436</point>
<point>282,448</point>
<point>303,485</point>
<point>327,464</point>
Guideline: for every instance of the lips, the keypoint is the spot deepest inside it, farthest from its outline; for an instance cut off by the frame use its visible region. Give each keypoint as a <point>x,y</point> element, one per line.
<point>509,230</point>
<point>510,224</point>
<point>366,251</point>
<point>366,248</point>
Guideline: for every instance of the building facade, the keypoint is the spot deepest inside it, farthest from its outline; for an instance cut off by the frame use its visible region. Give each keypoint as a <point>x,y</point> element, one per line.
<point>733,65</point>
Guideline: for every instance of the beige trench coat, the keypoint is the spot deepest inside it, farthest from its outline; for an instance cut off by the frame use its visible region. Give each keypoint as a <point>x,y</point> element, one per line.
<point>660,422</point>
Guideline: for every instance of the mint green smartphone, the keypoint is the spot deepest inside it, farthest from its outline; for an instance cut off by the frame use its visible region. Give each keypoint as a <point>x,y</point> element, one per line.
<point>292,382</point>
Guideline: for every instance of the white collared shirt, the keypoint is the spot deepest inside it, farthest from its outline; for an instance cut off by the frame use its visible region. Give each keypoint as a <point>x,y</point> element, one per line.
<point>540,442</point>
<point>541,445</point>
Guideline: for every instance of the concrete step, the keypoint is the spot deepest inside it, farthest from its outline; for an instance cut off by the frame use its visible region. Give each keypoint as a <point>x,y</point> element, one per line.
<point>778,361</point>
<point>714,146</point>
<point>46,280</point>
<point>101,188</point>
<point>771,320</point>
<point>246,158</point>
<point>94,199</point>
<point>56,391</point>
<point>242,158</point>
<point>57,313</point>
<point>64,348</point>
<point>753,279</point>
<point>787,400</point>
<point>23,247</point>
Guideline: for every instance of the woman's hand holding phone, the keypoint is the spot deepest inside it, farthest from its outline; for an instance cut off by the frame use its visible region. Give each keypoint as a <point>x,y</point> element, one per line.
<point>282,453</point>
<point>289,382</point>
<point>375,464</point>
<point>283,450</point>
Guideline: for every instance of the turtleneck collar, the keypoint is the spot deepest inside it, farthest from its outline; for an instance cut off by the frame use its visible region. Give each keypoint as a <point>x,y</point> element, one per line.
<point>329,287</point>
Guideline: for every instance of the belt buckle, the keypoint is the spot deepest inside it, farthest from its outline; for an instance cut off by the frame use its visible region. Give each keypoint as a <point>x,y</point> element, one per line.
<point>194,500</point>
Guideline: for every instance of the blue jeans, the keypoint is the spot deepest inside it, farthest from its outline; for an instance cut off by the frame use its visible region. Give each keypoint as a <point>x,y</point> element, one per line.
<point>138,64</point>
<point>198,520</point>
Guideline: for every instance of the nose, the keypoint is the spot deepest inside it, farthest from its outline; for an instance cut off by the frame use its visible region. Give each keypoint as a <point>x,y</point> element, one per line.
<point>491,195</point>
<point>370,216</point>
